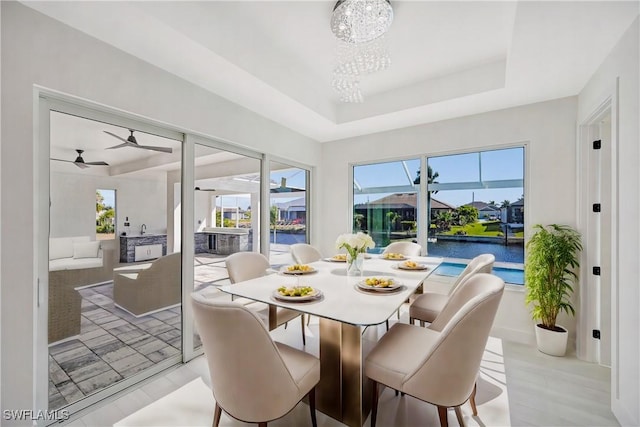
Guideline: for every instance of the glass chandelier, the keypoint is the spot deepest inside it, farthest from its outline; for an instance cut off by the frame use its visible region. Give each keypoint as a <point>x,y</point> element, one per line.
<point>359,26</point>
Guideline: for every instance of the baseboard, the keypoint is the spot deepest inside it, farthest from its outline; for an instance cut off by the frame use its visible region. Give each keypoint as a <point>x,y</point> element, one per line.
<point>514,335</point>
<point>148,312</point>
<point>622,414</point>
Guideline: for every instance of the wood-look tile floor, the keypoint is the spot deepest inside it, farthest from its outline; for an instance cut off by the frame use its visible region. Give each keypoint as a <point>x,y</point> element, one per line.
<point>542,390</point>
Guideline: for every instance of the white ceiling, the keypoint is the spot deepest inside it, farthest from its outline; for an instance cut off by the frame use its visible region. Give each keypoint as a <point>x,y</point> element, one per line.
<point>449,59</point>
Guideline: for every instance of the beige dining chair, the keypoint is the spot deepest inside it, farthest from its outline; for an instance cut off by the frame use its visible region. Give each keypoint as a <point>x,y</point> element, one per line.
<point>250,265</point>
<point>404,248</point>
<point>253,378</point>
<point>439,364</point>
<point>427,306</point>
<point>303,253</point>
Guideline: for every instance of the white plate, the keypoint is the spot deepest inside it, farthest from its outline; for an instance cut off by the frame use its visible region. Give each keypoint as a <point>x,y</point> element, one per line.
<point>419,267</point>
<point>315,294</point>
<point>332,259</point>
<point>402,258</point>
<point>284,270</point>
<point>396,284</point>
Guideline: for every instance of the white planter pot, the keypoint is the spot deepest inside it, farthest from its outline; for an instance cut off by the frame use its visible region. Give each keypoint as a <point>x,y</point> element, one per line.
<point>551,342</point>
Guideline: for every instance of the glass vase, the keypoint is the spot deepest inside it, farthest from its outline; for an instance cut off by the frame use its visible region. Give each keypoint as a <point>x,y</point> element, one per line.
<point>355,266</point>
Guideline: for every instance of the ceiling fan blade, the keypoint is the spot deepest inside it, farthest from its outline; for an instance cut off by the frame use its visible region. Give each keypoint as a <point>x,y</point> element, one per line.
<point>126,144</point>
<point>81,165</point>
<point>97,163</point>
<point>154,148</point>
<point>61,160</point>
<point>116,136</point>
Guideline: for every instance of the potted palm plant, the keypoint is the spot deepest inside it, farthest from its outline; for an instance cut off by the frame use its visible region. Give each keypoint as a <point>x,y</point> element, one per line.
<point>550,274</point>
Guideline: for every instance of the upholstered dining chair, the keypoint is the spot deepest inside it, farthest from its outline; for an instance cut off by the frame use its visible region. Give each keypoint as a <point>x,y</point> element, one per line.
<point>427,306</point>
<point>250,265</point>
<point>439,364</point>
<point>303,253</point>
<point>404,248</point>
<point>253,378</point>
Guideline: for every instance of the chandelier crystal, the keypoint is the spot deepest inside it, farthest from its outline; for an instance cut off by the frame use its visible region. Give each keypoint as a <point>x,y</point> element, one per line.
<point>360,21</point>
<point>359,26</point>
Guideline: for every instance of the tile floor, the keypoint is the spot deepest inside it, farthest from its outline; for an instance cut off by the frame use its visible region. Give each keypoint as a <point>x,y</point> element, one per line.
<point>542,390</point>
<point>114,344</point>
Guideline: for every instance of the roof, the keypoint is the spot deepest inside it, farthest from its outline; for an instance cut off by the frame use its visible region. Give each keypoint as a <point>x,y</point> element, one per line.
<point>404,201</point>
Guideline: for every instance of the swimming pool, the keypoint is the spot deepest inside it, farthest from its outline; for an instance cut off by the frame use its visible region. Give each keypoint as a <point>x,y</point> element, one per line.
<point>509,275</point>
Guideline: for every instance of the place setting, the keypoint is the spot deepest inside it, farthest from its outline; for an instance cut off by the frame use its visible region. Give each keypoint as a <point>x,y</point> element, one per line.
<point>297,269</point>
<point>410,265</point>
<point>391,256</point>
<point>383,285</point>
<point>297,294</point>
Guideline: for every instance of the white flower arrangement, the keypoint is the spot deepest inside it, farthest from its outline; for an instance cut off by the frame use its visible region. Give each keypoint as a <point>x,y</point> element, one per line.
<point>355,243</point>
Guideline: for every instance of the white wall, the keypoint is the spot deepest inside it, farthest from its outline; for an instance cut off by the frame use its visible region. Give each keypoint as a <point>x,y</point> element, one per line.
<point>73,203</point>
<point>549,130</point>
<point>39,50</point>
<point>623,64</point>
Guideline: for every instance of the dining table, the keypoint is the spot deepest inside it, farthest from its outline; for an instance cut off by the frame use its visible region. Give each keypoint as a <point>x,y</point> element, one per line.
<point>345,306</point>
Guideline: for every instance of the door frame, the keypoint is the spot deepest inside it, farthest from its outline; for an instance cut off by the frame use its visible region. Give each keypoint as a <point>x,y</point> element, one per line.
<point>590,307</point>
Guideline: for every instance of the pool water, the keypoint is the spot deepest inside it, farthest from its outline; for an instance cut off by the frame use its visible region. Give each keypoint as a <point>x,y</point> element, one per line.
<point>509,275</point>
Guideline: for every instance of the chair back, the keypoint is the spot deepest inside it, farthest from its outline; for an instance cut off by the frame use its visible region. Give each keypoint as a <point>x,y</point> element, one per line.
<point>304,253</point>
<point>404,248</point>
<point>449,371</point>
<point>481,264</point>
<point>246,265</point>
<point>249,378</point>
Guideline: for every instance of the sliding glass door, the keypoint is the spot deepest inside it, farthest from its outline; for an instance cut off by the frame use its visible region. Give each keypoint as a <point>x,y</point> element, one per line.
<point>114,283</point>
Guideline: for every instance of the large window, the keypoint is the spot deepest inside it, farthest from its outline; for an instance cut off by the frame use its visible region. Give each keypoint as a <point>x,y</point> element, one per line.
<point>471,203</point>
<point>385,197</point>
<point>476,205</point>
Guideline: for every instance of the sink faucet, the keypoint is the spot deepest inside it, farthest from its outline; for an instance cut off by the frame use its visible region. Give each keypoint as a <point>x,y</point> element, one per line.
<point>143,228</point>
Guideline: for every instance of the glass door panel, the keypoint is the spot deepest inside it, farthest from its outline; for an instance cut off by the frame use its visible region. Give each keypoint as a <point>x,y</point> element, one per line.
<point>226,215</point>
<point>107,319</point>
<point>288,210</point>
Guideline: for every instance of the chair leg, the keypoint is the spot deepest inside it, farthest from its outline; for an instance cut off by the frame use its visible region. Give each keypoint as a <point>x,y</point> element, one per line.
<point>312,406</point>
<point>398,313</point>
<point>308,319</point>
<point>472,400</point>
<point>374,403</point>
<point>442,414</point>
<point>304,340</point>
<point>387,323</point>
<point>459,416</point>
<point>422,323</point>
<point>411,320</point>
<point>216,415</point>
<point>262,424</point>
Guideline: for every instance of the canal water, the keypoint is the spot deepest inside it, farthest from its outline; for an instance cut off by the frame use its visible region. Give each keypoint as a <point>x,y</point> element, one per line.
<point>469,250</point>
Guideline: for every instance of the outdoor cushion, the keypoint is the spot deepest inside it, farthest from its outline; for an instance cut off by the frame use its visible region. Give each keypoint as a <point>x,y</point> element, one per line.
<point>86,249</point>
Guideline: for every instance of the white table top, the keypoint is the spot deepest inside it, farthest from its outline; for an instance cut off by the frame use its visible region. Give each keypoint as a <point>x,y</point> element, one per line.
<point>341,299</point>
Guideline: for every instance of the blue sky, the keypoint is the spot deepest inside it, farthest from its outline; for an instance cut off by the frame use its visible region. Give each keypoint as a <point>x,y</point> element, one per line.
<point>109,197</point>
<point>493,165</point>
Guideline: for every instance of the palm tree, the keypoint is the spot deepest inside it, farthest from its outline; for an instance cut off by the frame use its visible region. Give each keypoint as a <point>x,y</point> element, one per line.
<point>505,204</point>
<point>431,179</point>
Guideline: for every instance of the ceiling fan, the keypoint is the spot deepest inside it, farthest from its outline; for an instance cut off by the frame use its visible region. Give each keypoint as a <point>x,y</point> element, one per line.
<point>131,142</point>
<point>204,189</point>
<point>79,161</point>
